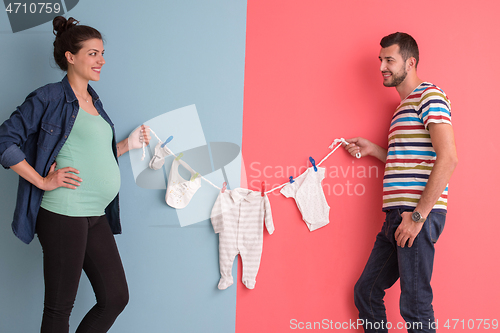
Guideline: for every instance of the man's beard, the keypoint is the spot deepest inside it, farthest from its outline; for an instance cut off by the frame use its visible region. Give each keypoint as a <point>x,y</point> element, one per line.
<point>396,79</point>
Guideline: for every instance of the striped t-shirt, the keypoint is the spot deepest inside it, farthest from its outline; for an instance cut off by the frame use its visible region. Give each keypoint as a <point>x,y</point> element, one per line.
<point>410,156</point>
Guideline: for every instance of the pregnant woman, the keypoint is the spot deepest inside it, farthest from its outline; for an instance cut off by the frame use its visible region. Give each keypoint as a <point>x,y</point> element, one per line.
<point>62,144</point>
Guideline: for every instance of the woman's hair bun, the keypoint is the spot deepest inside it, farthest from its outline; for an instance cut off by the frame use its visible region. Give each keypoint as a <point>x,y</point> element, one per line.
<point>61,24</point>
<point>70,36</point>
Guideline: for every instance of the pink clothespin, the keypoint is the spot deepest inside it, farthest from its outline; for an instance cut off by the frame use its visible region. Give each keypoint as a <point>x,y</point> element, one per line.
<point>224,186</point>
<point>263,188</point>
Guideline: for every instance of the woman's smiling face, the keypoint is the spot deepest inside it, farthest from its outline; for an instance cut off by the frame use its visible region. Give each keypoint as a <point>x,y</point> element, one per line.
<point>87,63</point>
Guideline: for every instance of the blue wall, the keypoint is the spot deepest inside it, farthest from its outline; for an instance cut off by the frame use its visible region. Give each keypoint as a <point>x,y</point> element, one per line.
<point>161,56</point>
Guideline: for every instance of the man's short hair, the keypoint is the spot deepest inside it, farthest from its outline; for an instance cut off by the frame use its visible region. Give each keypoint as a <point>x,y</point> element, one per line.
<point>407,45</point>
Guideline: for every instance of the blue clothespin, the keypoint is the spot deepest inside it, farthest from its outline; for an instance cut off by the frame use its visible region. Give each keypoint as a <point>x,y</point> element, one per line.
<point>168,140</point>
<point>313,163</point>
<point>291,180</point>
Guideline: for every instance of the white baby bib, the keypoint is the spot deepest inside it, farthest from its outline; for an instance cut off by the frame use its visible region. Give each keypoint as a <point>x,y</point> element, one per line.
<point>179,190</point>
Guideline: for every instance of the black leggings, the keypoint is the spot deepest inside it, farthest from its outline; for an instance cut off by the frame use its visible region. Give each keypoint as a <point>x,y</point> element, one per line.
<point>70,244</point>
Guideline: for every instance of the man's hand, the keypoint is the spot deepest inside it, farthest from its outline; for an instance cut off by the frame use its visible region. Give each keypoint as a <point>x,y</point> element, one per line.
<point>407,230</point>
<point>358,145</point>
<point>365,148</point>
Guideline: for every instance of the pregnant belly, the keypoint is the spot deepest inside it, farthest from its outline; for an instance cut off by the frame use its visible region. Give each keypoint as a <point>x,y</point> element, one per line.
<point>100,185</point>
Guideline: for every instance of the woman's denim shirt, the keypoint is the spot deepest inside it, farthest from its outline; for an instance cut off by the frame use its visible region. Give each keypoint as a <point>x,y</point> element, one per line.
<point>36,131</point>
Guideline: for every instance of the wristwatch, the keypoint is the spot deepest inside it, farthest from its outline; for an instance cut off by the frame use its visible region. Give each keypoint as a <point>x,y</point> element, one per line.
<point>417,217</point>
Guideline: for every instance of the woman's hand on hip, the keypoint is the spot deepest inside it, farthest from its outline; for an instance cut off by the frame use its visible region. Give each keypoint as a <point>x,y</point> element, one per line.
<point>65,177</point>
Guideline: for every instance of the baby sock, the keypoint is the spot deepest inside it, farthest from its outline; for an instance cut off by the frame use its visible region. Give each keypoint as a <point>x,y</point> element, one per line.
<point>159,156</point>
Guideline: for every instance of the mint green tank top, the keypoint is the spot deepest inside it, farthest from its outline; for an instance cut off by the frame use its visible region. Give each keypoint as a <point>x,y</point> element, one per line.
<point>87,149</point>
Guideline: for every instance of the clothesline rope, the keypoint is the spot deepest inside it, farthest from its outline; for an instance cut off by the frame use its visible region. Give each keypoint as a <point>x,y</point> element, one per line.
<point>336,142</point>
<point>175,156</point>
<point>144,144</point>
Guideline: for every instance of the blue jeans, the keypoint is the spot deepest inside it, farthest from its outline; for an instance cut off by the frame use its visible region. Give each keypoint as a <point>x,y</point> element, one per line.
<point>389,262</point>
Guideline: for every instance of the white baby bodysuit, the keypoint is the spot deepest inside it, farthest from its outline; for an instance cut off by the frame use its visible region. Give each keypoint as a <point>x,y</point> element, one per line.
<point>179,190</point>
<point>238,217</point>
<point>309,197</point>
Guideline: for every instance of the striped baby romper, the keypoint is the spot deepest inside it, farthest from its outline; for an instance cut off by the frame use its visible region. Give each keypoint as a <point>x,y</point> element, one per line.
<point>238,217</point>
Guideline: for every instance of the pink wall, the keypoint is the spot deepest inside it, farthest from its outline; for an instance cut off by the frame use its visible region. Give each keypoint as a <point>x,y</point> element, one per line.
<point>312,76</point>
